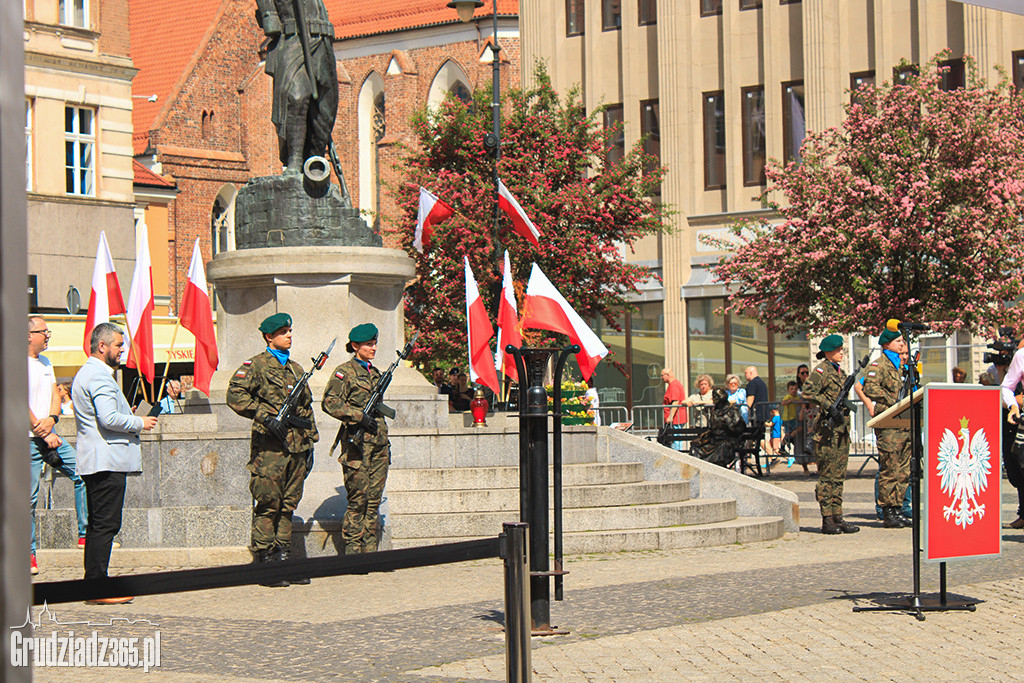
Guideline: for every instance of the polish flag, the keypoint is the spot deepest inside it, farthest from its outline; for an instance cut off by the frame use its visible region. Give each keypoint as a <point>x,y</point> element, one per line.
<point>105,298</point>
<point>546,309</point>
<point>140,310</point>
<point>196,316</point>
<point>432,212</point>
<point>508,326</point>
<point>479,334</point>
<point>522,223</point>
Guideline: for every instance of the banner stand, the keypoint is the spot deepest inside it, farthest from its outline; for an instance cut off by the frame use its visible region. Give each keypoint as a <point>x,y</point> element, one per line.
<point>915,603</point>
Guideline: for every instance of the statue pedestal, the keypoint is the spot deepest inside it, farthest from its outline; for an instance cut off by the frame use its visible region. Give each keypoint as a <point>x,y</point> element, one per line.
<point>326,290</point>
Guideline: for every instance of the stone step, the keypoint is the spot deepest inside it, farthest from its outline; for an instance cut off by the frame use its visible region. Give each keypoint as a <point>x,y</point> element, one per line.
<point>739,530</point>
<point>453,478</point>
<point>163,558</point>
<point>431,525</point>
<point>507,499</point>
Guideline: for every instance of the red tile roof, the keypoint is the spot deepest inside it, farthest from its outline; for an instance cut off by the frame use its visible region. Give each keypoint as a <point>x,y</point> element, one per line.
<point>143,176</point>
<point>366,17</point>
<point>165,37</point>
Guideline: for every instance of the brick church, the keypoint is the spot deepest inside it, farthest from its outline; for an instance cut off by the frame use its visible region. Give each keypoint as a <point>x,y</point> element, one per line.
<point>202,101</point>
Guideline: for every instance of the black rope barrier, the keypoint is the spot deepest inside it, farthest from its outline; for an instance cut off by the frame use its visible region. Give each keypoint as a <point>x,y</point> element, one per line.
<point>53,592</point>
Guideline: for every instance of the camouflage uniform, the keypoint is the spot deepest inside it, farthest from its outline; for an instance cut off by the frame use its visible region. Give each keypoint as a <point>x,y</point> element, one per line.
<point>366,472</point>
<point>882,386</point>
<point>832,445</point>
<point>258,388</point>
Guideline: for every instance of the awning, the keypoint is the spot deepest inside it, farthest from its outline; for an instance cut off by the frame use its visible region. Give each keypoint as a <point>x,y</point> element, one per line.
<point>66,353</point>
<point>702,285</point>
<point>1014,6</point>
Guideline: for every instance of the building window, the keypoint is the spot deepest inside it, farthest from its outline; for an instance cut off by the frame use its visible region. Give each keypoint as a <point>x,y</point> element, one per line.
<point>460,92</point>
<point>953,77</point>
<point>750,4</point>
<point>714,140</point>
<point>74,13</point>
<point>1018,69</point>
<point>615,134</point>
<point>859,80</point>
<point>754,147</point>
<point>28,145</point>
<point>710,8</point>
<point>902,75</point>
<point>650,128</point>
<point>794,125</point>
<point>647,11</point>
<point>788,2</point>
<point>574,16</point>
<point>611,15</point>
<point>79,150</point>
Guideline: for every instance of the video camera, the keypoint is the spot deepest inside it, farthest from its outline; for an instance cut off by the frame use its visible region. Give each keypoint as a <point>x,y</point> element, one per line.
<point>1004,348</point>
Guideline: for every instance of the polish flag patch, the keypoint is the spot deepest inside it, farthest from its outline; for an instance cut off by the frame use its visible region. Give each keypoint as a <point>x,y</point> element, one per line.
<point>819,370</point>
<point>339,375</point>
<point>246,362</point>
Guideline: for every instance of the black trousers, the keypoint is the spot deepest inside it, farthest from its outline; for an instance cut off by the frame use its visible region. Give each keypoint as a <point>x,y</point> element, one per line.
<point>1012,463</point>
<point>104,495</point>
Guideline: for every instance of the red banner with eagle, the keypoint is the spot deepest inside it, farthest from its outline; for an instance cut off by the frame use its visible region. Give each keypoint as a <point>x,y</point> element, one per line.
<point>962,472</point>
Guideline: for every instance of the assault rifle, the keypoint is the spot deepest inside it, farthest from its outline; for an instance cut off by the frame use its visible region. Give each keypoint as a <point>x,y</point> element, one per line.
<point>837,412</point>
<point>278,424</point>
<point>374,406</point>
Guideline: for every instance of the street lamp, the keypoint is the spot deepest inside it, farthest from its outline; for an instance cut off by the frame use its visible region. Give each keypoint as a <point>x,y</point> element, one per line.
<point>492,141</point>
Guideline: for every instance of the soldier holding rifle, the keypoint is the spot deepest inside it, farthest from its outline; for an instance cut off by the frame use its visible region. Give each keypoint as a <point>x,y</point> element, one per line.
<point>283,433</point>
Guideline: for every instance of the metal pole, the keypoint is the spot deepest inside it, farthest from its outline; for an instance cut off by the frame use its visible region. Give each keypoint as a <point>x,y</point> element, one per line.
<point>496,128</point>
<point>524,434</point>
<point>518,666</point>
<point>535,414</point>
<point>556,466</point>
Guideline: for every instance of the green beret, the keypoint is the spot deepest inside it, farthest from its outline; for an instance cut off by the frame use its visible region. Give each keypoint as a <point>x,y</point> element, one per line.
<point>275,322</point>
<point>830,343</point>
<point>887,337</point>
<point>363,333</point>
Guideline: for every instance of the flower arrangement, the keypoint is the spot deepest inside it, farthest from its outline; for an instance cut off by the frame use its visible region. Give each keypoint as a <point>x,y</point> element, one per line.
<point>577,407</point>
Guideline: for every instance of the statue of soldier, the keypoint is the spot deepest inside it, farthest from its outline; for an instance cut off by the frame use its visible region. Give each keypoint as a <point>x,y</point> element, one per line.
<point>300,59</point>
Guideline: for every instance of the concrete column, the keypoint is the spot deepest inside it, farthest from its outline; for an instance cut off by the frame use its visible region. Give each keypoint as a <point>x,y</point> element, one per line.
<point>823,92</point>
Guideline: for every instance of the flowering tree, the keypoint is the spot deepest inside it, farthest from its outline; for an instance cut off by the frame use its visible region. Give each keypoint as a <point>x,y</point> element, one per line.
<point>588,212</point>
<point>911,209</point>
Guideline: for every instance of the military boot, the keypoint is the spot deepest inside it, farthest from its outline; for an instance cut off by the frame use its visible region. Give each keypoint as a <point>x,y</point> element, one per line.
<point>265,556</point>
<point>282,556</point>
<point>829,526</point>
<point>845,526</point>
<point>891,518</point>
<point>907,520</point>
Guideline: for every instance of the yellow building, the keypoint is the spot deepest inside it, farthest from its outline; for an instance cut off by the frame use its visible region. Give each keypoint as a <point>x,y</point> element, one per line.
<point>723,85</point>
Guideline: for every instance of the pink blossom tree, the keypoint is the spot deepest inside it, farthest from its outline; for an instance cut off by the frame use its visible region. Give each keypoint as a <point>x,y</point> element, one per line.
<point>589,212</point>
<point>911,209</point>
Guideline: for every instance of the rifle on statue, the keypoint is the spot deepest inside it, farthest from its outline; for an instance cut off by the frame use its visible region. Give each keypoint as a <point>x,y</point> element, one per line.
<point>279,424</point>
<point>374,406</point>
<point>837,412</point>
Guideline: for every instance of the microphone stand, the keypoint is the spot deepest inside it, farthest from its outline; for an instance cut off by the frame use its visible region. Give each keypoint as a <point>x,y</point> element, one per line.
<point>915,602</point>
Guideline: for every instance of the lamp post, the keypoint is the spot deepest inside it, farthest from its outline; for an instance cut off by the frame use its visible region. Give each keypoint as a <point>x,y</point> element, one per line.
<point>492,141</point>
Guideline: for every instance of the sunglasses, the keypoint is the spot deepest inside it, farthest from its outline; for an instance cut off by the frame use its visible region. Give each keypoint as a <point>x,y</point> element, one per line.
<point>45,333</point>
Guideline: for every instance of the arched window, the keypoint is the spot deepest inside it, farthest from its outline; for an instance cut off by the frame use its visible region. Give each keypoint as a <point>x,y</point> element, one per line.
<point>372,125</point>
<point>450,78</point>
<point>222,220</point>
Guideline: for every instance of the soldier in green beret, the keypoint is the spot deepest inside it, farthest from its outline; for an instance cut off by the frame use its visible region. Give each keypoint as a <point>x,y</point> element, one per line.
<point>258,389</point>
<point>832,446</point>
<point>882,385</point>
<point>366,469</point>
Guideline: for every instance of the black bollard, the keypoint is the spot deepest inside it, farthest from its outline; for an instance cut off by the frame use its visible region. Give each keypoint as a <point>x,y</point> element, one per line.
<point>535,415</point>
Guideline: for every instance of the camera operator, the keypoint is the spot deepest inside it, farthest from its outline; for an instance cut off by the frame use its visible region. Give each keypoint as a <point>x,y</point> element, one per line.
<point>1013,447</point>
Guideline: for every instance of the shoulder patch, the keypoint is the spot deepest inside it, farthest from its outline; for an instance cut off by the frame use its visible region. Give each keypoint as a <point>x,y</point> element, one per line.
<point>246,362</point>
<point>240,373</point>
<point>871,374</point>
<point>339,375</point>
<point>819,369</point>
<point>874,364</point>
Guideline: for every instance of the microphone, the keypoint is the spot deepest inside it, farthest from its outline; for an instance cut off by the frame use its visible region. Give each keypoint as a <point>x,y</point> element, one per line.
<point>894,325</point>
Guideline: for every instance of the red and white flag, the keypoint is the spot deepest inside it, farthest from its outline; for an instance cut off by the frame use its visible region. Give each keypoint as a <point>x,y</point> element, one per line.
<point>432,211</point>
<point>522,223</point>
<point>105,298</point>
<point>508,326</point>
<point>139,317</point>
<point>196,316</point>
<point>479,333</point>
<point>546,309</point>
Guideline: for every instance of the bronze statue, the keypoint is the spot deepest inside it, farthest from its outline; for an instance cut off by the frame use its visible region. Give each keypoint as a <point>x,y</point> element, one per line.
<point>300,59</point>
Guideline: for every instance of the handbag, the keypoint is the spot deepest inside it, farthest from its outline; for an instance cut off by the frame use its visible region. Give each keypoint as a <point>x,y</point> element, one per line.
<point>49,455</point>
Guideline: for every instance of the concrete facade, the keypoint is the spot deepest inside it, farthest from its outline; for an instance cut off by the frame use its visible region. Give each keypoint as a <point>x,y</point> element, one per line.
<point>688,54</point>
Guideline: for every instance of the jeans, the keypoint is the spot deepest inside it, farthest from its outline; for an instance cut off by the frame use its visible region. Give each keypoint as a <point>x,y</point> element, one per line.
<point>67,456</point>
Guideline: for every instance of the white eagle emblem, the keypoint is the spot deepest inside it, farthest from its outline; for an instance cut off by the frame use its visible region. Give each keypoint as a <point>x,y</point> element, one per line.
<point>963,472</point>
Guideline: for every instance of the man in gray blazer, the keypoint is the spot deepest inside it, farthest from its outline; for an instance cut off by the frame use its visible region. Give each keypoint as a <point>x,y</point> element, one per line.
<point>108,446</point>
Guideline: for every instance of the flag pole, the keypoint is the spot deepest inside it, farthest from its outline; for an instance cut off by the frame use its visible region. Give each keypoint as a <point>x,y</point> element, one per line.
<point>170,350</point>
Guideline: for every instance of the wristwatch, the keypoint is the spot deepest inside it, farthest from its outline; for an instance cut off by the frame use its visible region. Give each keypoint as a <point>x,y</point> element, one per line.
<point>56,418</point>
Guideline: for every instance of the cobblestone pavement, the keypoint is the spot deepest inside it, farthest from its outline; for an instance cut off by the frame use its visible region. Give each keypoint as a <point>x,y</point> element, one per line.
<point>779,610</point>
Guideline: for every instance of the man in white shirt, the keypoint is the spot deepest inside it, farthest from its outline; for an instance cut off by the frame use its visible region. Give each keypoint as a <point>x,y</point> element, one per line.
<point>44,412</point>
<point>1013,460</point>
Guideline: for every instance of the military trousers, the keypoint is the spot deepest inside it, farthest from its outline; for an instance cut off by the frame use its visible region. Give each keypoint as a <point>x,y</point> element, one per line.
<point>893,466</point>
<point>276,481</point>
<point>833,454</point>
<point>365,477</point>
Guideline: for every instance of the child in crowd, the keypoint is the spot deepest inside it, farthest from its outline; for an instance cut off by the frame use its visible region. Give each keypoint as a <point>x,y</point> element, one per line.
<point>773,443</point>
